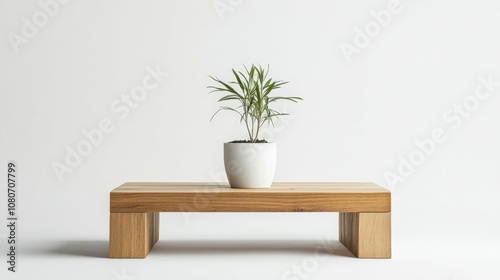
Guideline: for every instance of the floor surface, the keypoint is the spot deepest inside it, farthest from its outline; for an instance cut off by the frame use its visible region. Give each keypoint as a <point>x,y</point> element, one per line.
<point>257,259</point>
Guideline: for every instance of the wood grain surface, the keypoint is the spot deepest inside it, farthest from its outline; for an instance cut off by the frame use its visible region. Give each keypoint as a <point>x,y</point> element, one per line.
<point>366,235</point>
<point>132,235</point>
<point>281,197</point>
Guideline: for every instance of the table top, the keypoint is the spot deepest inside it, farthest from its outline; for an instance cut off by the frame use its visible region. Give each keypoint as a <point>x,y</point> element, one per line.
<point>219,197</point>
<point>196,187</point>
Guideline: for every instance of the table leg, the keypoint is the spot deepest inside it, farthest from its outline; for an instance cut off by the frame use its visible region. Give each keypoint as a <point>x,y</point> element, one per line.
<point>366,235</point>
<point>132,235</point>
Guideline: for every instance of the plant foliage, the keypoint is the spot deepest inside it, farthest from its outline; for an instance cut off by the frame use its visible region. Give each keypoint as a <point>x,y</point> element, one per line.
<point>252,91</point>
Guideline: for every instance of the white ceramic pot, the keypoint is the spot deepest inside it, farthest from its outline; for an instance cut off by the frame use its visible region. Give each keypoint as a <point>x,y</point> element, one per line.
<point>250,165</point>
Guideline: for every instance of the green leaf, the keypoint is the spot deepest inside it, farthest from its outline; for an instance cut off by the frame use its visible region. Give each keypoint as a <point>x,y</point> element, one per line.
<point>254,98</point>
<point>239,80</point>
<point>229,97</point>
<point>226,108</point>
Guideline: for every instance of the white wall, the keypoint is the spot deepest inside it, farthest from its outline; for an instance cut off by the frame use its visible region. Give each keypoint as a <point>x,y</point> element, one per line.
<point>356,119</point>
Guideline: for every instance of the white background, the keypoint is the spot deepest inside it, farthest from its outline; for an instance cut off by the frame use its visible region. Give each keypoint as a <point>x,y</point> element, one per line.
<point>356,120</point>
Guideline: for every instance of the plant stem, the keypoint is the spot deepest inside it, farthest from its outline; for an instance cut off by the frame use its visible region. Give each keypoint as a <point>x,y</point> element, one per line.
<point>258,127</point>
<point>251,136</point>
<point>248,128</point>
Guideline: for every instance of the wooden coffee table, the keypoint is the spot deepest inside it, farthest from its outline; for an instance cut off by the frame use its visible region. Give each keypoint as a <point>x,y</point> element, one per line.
<point>364,220</point>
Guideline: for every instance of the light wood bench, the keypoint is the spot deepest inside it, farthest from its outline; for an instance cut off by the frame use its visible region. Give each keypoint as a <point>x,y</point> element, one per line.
<point>364,220</point>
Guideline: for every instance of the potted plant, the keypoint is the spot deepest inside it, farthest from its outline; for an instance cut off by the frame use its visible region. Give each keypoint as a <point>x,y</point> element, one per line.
<point>251,163</point>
